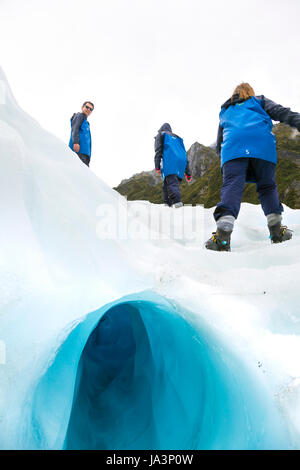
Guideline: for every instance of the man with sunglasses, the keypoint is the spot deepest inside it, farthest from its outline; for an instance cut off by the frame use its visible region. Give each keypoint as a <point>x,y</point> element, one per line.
<point>80,140</point>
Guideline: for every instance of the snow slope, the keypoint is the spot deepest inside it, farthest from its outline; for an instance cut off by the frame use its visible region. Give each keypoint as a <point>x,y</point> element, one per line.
<point>143,339</point>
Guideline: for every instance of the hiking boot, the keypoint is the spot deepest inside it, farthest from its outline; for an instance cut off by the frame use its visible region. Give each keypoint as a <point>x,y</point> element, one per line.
<point>220,241</point>
<point>279,233</point>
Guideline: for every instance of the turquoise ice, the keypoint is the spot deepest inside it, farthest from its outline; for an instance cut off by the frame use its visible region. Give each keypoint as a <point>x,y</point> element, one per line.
<point>138,374</point>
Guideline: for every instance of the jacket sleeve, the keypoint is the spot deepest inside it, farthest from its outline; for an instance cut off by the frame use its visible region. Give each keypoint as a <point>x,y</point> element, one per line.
<point>76,124</point>
<point>281,114</point>
<point>158,148</point>
<point>219,140</point>
<point>187,169</point>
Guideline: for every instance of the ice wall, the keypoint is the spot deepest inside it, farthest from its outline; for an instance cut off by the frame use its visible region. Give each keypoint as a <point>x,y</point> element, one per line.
<point>53,266</point>
<point>150,343</point>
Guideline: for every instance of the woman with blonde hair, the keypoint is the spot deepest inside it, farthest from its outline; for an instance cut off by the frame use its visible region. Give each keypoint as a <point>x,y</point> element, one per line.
<point>247,148</point>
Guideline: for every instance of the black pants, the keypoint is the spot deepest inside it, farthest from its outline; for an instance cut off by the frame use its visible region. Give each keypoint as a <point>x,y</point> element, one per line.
<point>171,191</point>
<point>84,158</point>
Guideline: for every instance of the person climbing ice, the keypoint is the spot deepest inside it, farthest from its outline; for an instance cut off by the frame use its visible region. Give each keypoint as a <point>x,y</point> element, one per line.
<point>247,148</point>
<point>171,163</point>
<point>80,139</point>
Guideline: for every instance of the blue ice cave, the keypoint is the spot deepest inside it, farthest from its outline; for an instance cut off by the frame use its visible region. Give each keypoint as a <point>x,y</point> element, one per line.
<point>142,373</point>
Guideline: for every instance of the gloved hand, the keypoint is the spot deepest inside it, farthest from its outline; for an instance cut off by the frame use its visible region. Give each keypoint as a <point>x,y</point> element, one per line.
<point>188,177</point>
<point>158,171</point>
<point>76,148</point>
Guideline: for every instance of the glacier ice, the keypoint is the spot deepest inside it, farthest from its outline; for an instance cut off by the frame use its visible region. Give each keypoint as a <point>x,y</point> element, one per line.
<point>142,343</point>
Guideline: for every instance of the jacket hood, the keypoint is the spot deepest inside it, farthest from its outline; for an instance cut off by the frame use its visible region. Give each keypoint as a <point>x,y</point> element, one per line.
<point>165,127</point>
<point>236,99</point>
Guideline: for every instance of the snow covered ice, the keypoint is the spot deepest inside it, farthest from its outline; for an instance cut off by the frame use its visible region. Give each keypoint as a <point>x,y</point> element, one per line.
<point>146,342</point>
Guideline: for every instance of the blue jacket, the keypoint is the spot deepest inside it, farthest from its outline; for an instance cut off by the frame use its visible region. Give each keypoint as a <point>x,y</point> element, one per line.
<point>245,128</point>
<point>80,134</point>
<point>170,153</point>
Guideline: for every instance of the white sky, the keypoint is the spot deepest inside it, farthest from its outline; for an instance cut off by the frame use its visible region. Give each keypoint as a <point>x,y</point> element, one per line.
<point>143,63</point>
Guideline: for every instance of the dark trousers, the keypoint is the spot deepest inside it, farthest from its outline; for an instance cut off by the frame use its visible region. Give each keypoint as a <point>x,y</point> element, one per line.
<point>234,178</point>
<point>84,158</point>
<point>171,191</point>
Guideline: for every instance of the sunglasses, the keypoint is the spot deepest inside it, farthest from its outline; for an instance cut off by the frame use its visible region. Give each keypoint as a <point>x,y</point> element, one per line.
<point>88,107</point>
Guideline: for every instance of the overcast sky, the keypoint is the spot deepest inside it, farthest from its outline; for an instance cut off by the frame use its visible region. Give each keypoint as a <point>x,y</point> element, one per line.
<point>143,63</point>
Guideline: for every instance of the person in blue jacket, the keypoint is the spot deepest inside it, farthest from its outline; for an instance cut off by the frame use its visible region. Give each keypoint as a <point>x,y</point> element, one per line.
<point>171,163</point>
<point>247,148</point>
<point>80,139</point>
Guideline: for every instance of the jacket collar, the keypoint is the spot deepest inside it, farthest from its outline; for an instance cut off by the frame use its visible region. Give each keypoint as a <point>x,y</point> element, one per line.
<point>236,99</point>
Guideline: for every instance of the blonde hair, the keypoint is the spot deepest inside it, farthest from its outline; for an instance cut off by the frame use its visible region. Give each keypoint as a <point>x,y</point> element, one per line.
<point>244,90</point>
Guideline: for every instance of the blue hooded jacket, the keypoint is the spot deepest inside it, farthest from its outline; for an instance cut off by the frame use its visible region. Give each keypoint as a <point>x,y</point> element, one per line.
<point>247,132</point>
<point>170,153</point>
<point>80,134</point>
<point>245,128</point>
